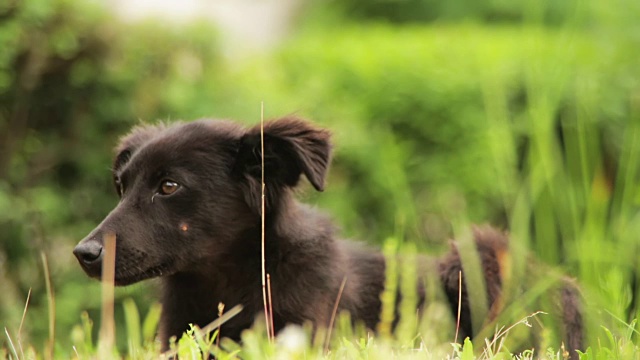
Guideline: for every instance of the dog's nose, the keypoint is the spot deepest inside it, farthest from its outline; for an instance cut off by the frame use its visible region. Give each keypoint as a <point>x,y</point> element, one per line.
<point>88,252</point>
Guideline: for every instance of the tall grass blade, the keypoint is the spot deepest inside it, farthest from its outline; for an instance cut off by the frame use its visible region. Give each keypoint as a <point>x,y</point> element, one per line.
<point>265,298</point>
<point>52,307</point>
<point>107,325</point>
<point>24,314</point>
<point>333,314</point>
<point>474,280</point>
<point>388,296</point>
<point>213,326</point>
<point>132,320</point>
<point>151,321</point>
<point>13,348</point>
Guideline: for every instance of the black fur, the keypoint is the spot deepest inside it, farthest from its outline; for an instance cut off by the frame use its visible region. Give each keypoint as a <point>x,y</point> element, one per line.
<point>204,239</point>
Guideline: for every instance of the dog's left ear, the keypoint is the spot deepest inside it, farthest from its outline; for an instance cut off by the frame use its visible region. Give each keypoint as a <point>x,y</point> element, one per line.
<point>292,147</point>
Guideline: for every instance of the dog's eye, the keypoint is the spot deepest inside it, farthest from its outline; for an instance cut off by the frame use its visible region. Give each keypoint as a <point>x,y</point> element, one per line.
<point>168,187</point>
<point>119,186</point>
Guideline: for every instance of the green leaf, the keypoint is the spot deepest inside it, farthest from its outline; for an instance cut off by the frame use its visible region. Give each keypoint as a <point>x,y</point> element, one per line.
<point>132,320</point>
<point>467,350</point>
<point>150,325</point>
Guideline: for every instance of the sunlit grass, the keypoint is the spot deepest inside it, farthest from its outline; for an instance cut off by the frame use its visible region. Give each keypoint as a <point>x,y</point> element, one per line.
<point>348,343</point>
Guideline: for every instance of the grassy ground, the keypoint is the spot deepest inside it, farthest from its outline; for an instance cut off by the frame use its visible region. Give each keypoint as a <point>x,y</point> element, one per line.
<point>296,342</point>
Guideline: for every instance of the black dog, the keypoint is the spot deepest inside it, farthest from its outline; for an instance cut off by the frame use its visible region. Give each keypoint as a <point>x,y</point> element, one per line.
<point>190,212</point>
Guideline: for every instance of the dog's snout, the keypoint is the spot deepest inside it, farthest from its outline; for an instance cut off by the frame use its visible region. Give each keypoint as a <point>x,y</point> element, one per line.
<point>89,253</point>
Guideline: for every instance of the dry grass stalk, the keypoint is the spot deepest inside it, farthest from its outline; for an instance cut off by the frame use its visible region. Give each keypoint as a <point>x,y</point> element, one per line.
<point>52,307</point>
<point>333,314</point>
<point>215,324</point>
<point>13,348</point>
<point>455,340</point>
<point>220,313</point>
<point>493,346</point>
<point>270,301</point>
<point>265,299</point>
<point>24,314</point>
<point>107,326</point>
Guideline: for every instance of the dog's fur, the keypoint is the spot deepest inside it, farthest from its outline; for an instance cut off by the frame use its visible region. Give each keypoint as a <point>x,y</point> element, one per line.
<point>204,239</point>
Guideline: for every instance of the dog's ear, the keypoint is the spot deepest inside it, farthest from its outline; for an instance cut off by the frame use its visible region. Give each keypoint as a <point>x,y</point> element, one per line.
<point>292,147</point>
<point>129,143</point>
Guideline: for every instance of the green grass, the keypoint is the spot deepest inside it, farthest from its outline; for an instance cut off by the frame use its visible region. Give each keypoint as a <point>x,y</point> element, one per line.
<point>297,342</point>
<point>414,338</point>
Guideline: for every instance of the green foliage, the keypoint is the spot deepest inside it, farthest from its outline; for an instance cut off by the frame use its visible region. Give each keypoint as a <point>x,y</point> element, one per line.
<point>467,350</point>
<point>71,81</point>
<point>140,336</point>
<point>613,347</point>
<point>552,13</point>
<point>432,122</point>
<point>294,342</point>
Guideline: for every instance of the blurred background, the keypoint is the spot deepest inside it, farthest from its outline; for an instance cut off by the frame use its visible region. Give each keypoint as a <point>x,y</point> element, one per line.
<point>524,114</point>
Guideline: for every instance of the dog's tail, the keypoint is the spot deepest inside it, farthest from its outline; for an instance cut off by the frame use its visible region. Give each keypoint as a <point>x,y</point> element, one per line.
<point>571,302</point>
<point>567,298</point>
<point>492,246</point>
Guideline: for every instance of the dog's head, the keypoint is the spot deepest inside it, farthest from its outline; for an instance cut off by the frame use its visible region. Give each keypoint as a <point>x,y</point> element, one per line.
<point>189,190</point>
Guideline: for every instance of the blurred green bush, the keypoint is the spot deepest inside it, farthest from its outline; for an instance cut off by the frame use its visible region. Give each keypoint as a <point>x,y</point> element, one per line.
<point>412,107</point>
<point>433,124</point>
<point>489,11</point>
<point>73,79</point>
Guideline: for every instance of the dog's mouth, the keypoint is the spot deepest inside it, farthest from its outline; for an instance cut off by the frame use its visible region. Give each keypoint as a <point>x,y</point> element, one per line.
<point>131,269</point>
<point>127,276</point>
<point>133,265</point>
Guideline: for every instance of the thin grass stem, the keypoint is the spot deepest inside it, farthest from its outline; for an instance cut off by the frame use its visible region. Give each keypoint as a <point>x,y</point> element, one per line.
<point>52,306</point>
<point>107,325</point>
<point>455,340</point>
<point>13,348</point>
<point>270,302</point>
<point>265,300</point>
<point>333,314</point>
<point>24,314</point>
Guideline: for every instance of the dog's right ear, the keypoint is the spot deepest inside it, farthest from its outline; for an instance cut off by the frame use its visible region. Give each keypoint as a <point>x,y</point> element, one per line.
<point>292,147</point>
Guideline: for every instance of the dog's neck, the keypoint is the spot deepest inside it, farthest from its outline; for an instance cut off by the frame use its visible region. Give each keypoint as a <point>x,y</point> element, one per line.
<point>297,240</point>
